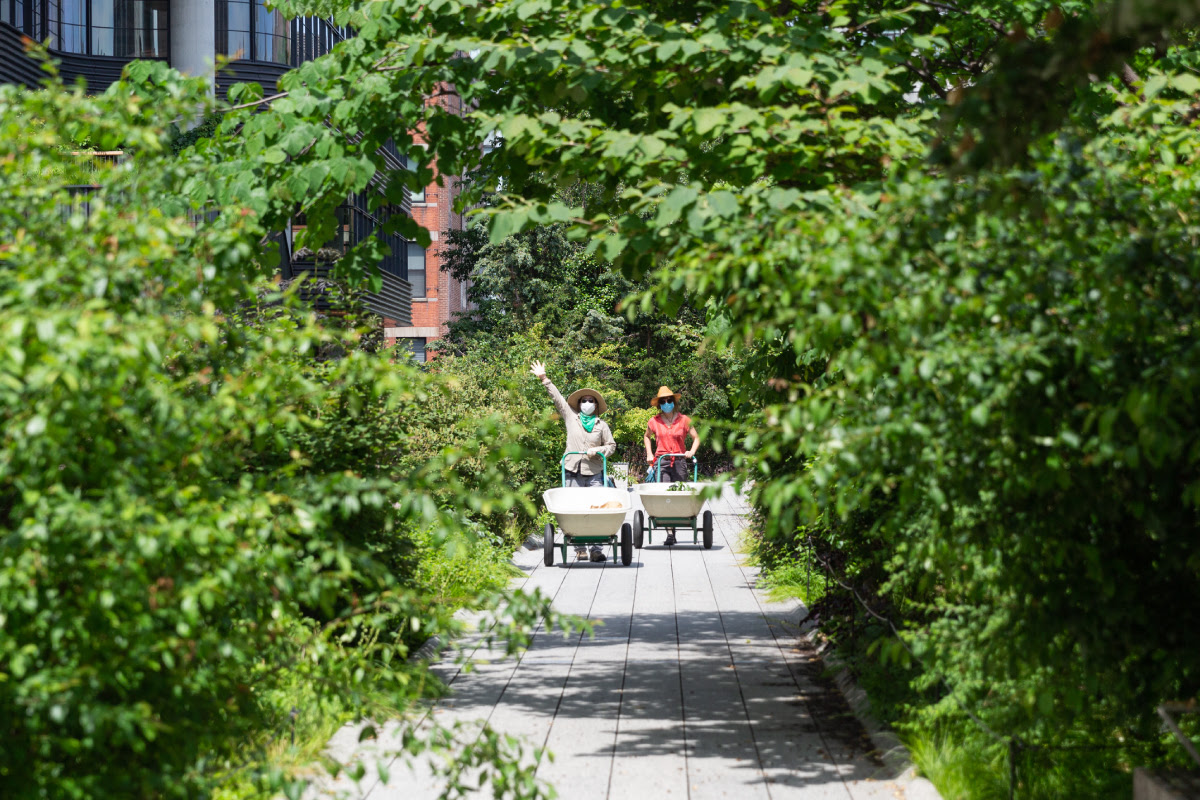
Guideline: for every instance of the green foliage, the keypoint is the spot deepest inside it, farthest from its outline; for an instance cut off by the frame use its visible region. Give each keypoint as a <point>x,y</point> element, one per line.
<point>198,495</point>
<point>976,382</point>
<point>1022,394</point>
<point>965,765</point>
<point>567,302</point>
<point>458,570</point>
<point>968,390</point>
<point>205,129</point>
<point>631,426</point>
<point>787,572</point>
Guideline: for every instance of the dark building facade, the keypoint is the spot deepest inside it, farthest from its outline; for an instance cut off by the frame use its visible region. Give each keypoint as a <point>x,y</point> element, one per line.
<point>95,39</point>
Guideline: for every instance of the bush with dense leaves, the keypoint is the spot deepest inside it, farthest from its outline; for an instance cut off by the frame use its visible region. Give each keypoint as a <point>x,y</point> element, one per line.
<point>198,504</point>
<point>1003,449</point>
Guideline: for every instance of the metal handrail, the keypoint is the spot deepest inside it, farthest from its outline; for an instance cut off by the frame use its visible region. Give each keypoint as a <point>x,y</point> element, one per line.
<point>1166,710</point>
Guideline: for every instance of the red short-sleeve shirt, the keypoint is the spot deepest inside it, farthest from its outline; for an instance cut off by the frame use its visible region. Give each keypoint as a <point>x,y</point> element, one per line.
<point>669,438</point>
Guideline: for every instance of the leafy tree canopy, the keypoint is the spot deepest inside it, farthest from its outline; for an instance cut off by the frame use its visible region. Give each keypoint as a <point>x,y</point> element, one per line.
<point>959,239</point>
<point>201,494</point>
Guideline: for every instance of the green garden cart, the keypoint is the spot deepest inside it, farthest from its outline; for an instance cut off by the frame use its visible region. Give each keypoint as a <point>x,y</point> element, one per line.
<point>588,515</point>
<point>672,505</point>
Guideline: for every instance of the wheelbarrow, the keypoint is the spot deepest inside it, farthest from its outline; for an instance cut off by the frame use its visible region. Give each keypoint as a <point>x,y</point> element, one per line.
<point>672,505</point>
<point>588,515</point>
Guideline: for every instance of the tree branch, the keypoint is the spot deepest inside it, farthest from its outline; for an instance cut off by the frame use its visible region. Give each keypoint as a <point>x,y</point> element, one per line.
<point>256,102</point>
<point>927,78</point>
<point>943,6</point>
<point>1130,79</point>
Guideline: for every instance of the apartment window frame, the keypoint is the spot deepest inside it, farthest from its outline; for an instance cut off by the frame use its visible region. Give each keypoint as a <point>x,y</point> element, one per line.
<point>421,290</point>
<point>74,26</point>
<point>22,15</point>
<point>253,39</point>
<point>416,197</point>
<point>417,347</point>
<point>126,40</point>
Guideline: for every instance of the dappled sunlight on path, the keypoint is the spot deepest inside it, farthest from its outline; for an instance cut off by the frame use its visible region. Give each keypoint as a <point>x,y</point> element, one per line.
<point>694,686</point>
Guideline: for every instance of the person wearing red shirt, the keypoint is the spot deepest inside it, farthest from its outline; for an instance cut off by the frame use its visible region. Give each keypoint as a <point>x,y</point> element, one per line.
<point>670,431</point>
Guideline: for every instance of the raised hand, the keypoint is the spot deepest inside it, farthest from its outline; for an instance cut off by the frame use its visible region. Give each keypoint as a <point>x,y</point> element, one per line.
<point>538,369</point>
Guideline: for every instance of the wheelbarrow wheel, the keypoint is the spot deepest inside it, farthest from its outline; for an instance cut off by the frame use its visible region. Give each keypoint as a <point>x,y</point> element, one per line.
<point>707,530</point>
<point>626,544</point>
<point>638,529</point>
<point>548,546</point>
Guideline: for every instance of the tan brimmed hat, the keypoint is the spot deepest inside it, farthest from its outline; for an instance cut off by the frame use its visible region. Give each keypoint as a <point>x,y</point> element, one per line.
<point>664,393</point>
<point>573,400</point>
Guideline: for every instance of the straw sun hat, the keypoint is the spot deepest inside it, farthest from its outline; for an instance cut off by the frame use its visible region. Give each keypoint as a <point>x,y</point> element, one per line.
<point>573,400</point>
<point>664,393</point>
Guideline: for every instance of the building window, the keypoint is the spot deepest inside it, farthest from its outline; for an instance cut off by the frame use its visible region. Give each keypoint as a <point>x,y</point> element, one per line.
<point>131,28</point>
<point>103,28</point>
<point>246,29</point>
<point>121,28</point>
<point>418,196</point>
<point>416,269</point>
<point>355,224</point>
<point>417,346</point>
<point>72,25</point>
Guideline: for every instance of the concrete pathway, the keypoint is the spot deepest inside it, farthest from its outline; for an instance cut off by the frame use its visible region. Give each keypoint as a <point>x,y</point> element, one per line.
<point>693,687</point>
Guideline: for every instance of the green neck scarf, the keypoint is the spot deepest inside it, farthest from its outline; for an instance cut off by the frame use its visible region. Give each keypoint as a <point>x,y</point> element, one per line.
<point>588,420</point>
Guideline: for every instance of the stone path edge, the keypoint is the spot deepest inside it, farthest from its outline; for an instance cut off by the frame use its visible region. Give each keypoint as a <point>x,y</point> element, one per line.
<point>430,651</point>
<point>891,750</point>
<point>433,647</point>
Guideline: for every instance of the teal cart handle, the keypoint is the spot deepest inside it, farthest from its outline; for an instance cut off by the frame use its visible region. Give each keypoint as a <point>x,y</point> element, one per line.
<point>563,463</point>
<point>658,466</point>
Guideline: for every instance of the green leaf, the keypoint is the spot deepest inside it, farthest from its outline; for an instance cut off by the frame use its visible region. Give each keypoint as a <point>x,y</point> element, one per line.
<point>707,119</point>
<point>1185,82</point>
<point>506,223</point>
<point>979,415</point>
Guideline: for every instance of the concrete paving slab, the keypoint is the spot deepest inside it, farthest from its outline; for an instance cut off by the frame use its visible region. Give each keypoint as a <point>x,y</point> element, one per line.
<point>694,686</point>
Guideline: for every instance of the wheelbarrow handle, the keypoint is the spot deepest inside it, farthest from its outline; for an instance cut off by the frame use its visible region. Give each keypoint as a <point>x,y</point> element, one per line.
<point>563,463</point>
<point>658,466</point>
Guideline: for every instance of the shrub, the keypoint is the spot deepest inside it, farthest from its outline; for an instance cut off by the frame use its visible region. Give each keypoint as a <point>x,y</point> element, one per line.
<point>198,504</point>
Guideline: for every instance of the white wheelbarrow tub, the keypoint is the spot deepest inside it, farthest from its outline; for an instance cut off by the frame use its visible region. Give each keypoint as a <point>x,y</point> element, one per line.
<point>660,501</point>
<point>572,507</point>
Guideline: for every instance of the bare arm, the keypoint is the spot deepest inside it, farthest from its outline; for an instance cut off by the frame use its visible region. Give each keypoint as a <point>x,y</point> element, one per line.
<point>649,446</point>
<point>695,441</point>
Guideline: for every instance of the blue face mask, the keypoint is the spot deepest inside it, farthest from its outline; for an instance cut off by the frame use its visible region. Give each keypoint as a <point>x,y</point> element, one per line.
<point>667,407</point>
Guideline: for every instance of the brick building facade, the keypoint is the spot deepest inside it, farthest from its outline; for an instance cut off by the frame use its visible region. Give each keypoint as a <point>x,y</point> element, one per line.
<point>438,297</point>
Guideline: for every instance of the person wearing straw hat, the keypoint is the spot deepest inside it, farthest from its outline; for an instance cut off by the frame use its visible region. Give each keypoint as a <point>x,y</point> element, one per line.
<point>586,433</point>
<point>670,431</point>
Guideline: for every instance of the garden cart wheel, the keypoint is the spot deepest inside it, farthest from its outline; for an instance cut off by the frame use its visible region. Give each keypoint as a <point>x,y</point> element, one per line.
<point>638,529</point>
<point>707,530</point>
<point>548,546</point>
<point>626,544</point>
